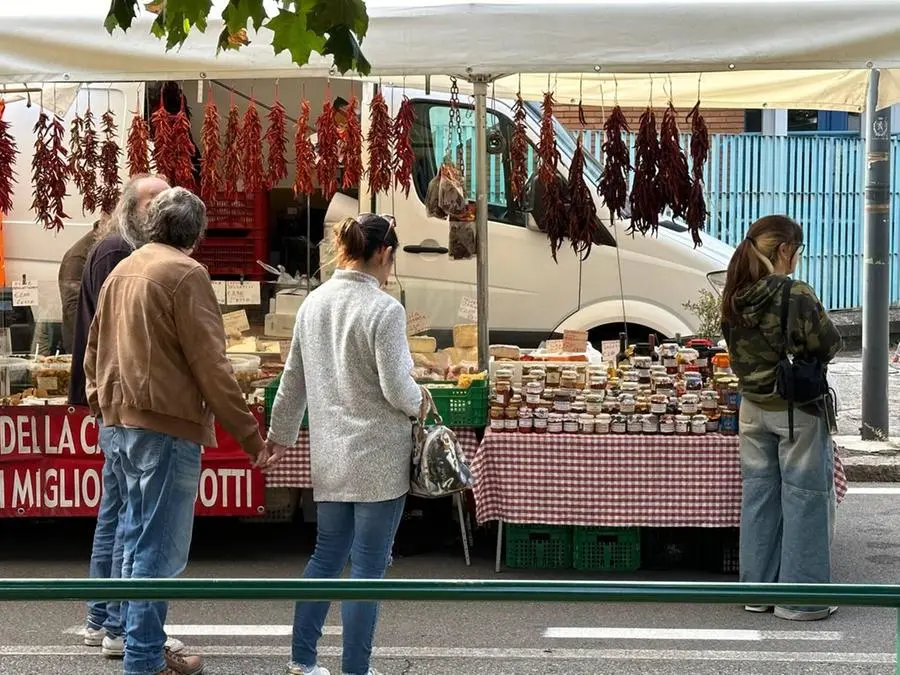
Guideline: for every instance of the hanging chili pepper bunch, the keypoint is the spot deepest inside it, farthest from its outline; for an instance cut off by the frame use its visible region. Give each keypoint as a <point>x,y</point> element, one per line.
<point>84,159</point>
<point>231,156</point>
<point>645,199</point>
<point>352,147</point>
<point>613,185</point>
<point>404,155</point>
<point>50,169</point>
<point>163,141</point>
<point>695,214</point>
<point>276,140</point>
<point>109,163</point>
<point>183,149</point>
<point>518,152</point>
<point>582,209</point>
<point>328,147</point>
<point>379,142</point>
<point>674,177</point>
<point>251,146</point>
<point>8,154</point>
<point>554,208</point>
<point>212,151</point>
<point>305,154</point>
<point>138,144</point>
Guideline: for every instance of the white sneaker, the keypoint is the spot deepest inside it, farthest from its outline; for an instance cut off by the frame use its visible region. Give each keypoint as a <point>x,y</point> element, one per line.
<point>804,615</point>
<point>93,637</point>
<point>175,646</point>
<point>758,609</point>
<point>113,647</point>
<point>294,669</point>
<point>372,671</point>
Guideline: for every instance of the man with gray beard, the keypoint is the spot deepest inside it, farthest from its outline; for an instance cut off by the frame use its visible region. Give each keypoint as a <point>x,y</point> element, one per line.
<point>127,232</point>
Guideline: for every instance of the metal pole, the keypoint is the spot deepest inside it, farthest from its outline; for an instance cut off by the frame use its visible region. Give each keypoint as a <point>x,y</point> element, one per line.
<point>481,220</point>
<point>876,271</point>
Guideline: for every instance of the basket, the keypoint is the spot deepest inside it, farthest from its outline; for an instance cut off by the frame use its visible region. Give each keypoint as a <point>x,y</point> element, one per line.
<point>233,256</point>
<point>247,211</point>
<point>542,547</point>
<point>271,390</point>
<point>462,408</point>
<point>610,549</point>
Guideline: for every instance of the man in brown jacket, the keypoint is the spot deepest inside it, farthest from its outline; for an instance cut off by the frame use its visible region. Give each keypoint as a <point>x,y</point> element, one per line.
<point>157,373</point>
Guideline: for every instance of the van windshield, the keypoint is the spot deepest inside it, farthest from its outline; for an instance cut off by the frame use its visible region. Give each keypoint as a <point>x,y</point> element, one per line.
<point>566,143</point>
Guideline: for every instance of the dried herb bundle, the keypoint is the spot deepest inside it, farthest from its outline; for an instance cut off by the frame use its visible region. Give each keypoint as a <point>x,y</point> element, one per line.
<point>212,152</point>
<point>231,155</point>
<point>695,214</point>
<point>109,163</point>
<point>404,155</point>
<point>613,185</point>
<point>50,168</point>
<point>555,219</point>
<point>328,147</point>
<point>352,150</point>
<point>518,153</point>
<point>305,154</point>
<point>379,141</point>
<point>645,200</point>
<point>276,139</point>
<point>674,177</point>
<point>251,150</point>
<point>582,210</point>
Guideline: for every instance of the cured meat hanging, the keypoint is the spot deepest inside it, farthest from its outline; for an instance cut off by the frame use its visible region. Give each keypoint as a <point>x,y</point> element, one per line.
<point>674,177</point>
<point>555,220</point>
<point>645,200</point>
<point>276,140</point>
<point>50,170</point>
<point>183,150</point>
<point>251,147</point>
<point>231,157</point>
<point>404,155</point>
<point>305,154</point>
<point>613,184</point>
<point>138,144</point>
<point>328,147</point>
<point>518,152</point>
<point>352,147</point>
<point>109,164</point>
<point>379,144</point>
<point>582,210</point>
<point>212,151</point>
<point>696,212</point>
<point>8,154</point>
<point>163,145</point>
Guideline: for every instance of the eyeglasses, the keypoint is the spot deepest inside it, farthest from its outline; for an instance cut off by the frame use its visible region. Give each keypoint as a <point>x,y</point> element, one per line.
<point>391,221</point>
<point>800,249</point>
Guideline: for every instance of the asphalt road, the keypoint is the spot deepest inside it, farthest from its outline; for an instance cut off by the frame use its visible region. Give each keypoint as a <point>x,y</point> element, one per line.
<point>443,638</point>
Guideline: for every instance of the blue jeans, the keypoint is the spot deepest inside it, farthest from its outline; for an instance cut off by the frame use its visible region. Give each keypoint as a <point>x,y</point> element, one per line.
<point>107,551</point>
<point>788,501</point>
<point>162,473</point>
<point>363,533</point>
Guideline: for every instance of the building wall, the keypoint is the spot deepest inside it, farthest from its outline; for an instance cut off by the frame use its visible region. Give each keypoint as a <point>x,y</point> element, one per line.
<point>719,121</point>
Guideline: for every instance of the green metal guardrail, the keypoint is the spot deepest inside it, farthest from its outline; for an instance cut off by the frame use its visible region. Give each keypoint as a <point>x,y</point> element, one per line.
<point>853,595</point>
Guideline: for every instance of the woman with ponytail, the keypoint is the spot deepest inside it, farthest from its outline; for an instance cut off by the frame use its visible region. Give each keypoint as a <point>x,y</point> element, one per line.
<point>786,455</point>
<point>350,366</point>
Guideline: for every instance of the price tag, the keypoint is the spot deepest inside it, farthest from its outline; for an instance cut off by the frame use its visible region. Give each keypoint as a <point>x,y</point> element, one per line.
<point>416,323</point>
<point>25,294</point>
<point>610,350</point>
<point>241,293</point>
<point>219,288</point>
<point>575,341</point>
<point>468,309</point>
<point>554,346</point>
<point>236,322</point>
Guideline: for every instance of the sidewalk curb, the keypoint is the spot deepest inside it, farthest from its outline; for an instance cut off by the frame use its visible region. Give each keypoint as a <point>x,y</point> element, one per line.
<point>869,461</point>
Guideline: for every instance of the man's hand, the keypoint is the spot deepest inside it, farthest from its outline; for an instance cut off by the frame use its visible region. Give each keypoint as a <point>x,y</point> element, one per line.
<point>270,456</point>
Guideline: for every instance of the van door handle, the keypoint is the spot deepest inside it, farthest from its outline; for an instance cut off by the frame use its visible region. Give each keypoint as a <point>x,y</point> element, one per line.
<point>418,248</point>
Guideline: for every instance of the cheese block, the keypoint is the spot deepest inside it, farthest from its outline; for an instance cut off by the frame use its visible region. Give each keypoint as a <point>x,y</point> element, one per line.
<point>459,355</point>
<point>422,344</point>
<point>465,335</point>
<point>509,352</point>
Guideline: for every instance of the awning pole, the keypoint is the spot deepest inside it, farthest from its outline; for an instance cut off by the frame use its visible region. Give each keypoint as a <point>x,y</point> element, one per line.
<point>876,270</point>
<point>481,220</point>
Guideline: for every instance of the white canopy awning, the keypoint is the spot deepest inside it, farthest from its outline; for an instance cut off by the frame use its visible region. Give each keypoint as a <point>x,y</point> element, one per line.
<point>821,47</point>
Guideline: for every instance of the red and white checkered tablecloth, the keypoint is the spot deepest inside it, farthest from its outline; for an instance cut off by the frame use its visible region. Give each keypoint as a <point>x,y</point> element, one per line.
<point>294,471</point>
<point>612,481</point>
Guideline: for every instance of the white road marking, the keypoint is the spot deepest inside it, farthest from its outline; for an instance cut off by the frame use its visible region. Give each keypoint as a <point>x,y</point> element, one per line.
<point>590,633</point>
<point>469,654</point>
<point>224,630</point>
<point>873,490</point>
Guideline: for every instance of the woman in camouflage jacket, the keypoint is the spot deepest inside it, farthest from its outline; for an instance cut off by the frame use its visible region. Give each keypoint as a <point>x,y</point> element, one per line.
<point>788,479</point>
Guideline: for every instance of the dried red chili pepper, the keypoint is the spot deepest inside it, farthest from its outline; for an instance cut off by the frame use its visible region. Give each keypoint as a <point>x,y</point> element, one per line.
<point>379,142</point>
<point>212,152</point>
<point>231,156</point>
<point>696,212</point>
<point>161,124</point>
<point>8,154</point>
<point>328,147</point>
<point>276,139</point>
<point>352,150</point>
<point>305,154</point>
<point>555,219</point>
<point>674,177</point>
<point>50,168</point>
<point>85,169</point>
<point>404,155</point>
<point>251,146</point>
<point>138,145</point>
<point>183,150</point>
<point>613,185</point>
<point>518,152</point>
<point>109,163</point>
<point>645,199</point>
<point>76,154</point>
<point>582,209</point>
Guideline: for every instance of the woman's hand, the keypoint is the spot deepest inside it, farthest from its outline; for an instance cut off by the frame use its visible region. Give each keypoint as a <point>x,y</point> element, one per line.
<point>270,457</point>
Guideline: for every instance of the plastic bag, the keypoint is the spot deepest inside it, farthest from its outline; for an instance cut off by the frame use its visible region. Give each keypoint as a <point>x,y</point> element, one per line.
<point>463,245</point>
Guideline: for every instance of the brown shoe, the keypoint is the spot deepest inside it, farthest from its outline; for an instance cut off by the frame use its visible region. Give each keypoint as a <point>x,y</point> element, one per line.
<point>178,664</point>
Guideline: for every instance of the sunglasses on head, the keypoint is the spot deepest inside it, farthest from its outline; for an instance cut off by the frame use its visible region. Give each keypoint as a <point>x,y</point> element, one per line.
<point>391,221</point>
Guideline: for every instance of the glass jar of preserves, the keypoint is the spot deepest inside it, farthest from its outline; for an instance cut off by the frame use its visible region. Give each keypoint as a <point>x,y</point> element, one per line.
<point>619,424</point>
<point>698,424</point>
<point>635,424</point>
<point>498,417</point>
<point>538,374</point>
<point>586,423</point>
<point>659,404</point>
<point>533,391</point>
<point>610,406</point>
<point>593,404</point>
<point>627,404</point>
<point>570,423</point>
<point>568,379</point>
<point>553,374</point>
<point>712,422</point>
<point>642,405</point>
<point>667,425</point>
<point>728,423</point>
<point>579,406</point>
<point>690,404</point>
<point>562,402</point>
<point>526,420</point>
<point>540,420</point>
<point>709,400</point>
<point>650,424</point>
<point>693,382</point>
<point>601,423</point>
<point>554,423</point>
<point>581,377</point>
<point>512,418</point>
<point>734,395</point>
<point>599,382</point>
<point>682,425</point>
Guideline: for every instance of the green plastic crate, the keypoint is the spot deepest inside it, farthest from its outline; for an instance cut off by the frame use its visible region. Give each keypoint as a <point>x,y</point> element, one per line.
<point>606,549</point>
<point>462,408</point>
<point>542,547</point>
<point>271,390</point>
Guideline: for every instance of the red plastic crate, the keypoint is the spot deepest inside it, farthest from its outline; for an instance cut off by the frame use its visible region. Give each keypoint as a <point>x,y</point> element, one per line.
<point>233,256</point>
<point>248,211</point>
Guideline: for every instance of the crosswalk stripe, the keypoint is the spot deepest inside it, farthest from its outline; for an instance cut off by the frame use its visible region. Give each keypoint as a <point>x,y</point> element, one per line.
<point>591,633</point>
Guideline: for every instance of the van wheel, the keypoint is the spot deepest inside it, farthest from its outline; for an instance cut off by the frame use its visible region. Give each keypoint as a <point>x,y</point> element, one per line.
<point>636,333</point>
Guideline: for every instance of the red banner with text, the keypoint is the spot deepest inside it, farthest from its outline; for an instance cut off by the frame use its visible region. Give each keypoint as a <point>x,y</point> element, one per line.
<point>51,466</point>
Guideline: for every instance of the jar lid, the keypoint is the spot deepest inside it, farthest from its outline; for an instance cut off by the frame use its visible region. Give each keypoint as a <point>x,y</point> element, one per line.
<point>584,417</point>
<point>700,418</point>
